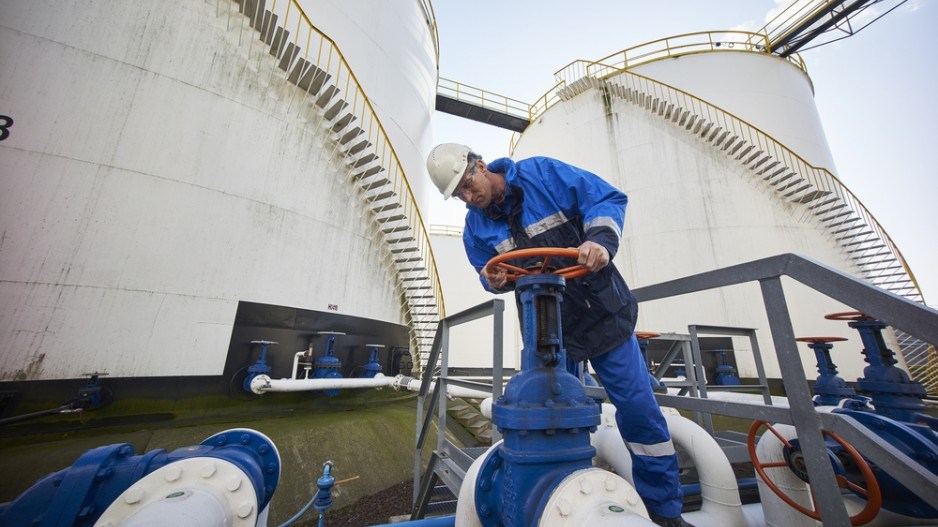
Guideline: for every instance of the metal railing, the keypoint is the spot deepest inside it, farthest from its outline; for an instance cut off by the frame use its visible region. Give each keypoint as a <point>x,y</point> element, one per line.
<point>900,313</point>
<point>449,463</point>
<point>670,47</point>
<point>294,28</point>
<point>483,98</point>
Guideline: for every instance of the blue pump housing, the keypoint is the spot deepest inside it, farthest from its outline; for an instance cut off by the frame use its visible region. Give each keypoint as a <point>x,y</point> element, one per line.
<point>78,495</point>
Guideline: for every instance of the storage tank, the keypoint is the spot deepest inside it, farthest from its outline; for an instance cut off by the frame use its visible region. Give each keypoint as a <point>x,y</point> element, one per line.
<point>720,149</point>
<point>171,161</point>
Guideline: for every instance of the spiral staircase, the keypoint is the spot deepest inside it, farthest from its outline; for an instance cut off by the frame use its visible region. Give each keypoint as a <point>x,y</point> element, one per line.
<point>323,80</point>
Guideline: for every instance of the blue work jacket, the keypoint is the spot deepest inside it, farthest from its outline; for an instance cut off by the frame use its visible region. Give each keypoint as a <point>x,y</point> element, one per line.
<point>549,203</point>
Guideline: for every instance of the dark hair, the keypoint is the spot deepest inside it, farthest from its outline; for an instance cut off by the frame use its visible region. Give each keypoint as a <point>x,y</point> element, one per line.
<point>471,159</point>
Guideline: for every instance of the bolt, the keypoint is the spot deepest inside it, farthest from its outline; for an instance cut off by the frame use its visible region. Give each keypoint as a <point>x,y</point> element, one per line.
<point>172,473</point>
<point>103,474</point>
<point>557,389</point>
<point>208,470</point>
<point>125,451</point>
<point>245,510</point>
<point>611,483</point>
<point>263,449</point>
<point>549,403</point>
<point>485,486</point>
<point>134,495</point>
<point>221,440</point>
<point>485,511</point>
<point>564,507</point>
<point>271,468</point>
<point>631,496</point>
<point>233,484</point>
<point>879,424</point>
<point>927,456</point>
<point>586,486</point>
<point>245,439</point>
<point>496,462</point>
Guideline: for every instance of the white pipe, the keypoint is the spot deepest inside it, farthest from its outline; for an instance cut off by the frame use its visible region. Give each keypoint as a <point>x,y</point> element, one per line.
<point>719,491</point>
<point>777,512</point>
<point>721,505</point>
<point>750,398</point>
<point>263,384</point>
<point>451,390</point>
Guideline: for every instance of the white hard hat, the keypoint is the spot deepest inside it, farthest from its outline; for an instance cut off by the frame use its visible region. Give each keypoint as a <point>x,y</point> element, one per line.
<point>446,163</point>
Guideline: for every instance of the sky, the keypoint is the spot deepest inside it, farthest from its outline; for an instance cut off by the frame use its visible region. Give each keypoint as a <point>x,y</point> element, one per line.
<point>875,90</point>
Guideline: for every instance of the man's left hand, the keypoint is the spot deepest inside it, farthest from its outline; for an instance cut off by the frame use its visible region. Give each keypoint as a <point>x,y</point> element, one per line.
<point>593,256</point>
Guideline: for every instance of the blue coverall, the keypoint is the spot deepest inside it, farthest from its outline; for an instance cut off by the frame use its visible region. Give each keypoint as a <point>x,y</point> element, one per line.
<point>549,203</point>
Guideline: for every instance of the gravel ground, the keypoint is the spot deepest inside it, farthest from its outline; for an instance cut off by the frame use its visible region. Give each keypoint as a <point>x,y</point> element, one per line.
<point>375,509</point>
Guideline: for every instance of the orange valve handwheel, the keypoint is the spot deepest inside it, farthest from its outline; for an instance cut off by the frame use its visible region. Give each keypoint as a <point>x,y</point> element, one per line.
<point>851,316</point>
<point>872,493</point>
<point>514,272</point>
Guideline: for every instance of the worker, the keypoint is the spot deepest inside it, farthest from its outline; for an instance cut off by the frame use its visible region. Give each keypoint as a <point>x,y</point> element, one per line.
<point>543,202</point>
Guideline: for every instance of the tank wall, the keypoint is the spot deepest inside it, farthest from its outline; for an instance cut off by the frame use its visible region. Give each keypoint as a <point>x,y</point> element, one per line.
<point>768,92</point>
<point>693,209</point>
<point>391,50</point>
<point>157,173</point>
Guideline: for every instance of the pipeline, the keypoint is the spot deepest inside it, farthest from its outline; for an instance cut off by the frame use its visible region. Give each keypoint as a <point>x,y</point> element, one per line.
<point>262,384</point>
<point>65,408</point>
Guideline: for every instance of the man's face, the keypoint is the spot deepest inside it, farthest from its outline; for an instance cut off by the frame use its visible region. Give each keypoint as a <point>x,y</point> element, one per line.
<point>475,187</point>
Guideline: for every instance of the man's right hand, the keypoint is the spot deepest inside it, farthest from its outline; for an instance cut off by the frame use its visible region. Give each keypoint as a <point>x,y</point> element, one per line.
<point>497,278</point>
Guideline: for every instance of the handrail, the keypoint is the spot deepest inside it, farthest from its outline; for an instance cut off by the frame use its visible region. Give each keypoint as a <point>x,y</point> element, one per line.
<point>483,98</point>
<point>327,56</point>
<point>679,45</point>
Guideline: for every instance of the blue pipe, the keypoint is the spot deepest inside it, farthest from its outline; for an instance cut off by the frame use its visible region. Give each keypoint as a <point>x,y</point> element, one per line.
<point>693,489</point>
<point>439,521</point>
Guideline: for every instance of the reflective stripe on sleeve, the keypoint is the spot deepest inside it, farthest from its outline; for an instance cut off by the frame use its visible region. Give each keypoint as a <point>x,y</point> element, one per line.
<point>508,244</point>
<point>603,221</point>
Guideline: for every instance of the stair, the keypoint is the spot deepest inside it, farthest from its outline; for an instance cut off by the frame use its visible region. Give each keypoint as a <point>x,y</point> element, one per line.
<point>815,191</point>
<point>374,174</point>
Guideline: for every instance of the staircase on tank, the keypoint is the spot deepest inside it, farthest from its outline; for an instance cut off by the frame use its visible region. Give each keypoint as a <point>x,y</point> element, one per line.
<point>792,180</point>
<point>372,167</point>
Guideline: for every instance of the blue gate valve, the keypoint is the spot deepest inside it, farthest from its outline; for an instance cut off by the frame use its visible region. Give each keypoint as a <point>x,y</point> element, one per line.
<point>544,416</point>
<point>374,366</point>
<point>260,367</point>
<point>892,392</point>
<point>725,373</point>
<point>831,389</point>
<point>328,366</point>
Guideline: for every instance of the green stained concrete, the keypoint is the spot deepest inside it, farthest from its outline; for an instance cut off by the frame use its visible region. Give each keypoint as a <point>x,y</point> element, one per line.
<point>369,435</point>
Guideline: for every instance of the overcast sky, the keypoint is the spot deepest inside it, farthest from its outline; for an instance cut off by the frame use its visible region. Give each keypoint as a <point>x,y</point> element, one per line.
<point>874,90</point>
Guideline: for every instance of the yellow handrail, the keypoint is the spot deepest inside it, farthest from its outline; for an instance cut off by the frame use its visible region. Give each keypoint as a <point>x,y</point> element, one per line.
<point>329,58</point>
<point>675,46</point>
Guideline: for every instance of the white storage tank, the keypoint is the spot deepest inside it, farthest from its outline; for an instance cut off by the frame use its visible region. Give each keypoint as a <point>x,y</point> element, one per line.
<point>690,139</point>
<point>171,159</point>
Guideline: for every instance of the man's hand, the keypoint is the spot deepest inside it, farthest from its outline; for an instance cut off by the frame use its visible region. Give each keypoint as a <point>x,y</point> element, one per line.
<point>497,278</point>
<point>593,256</point>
